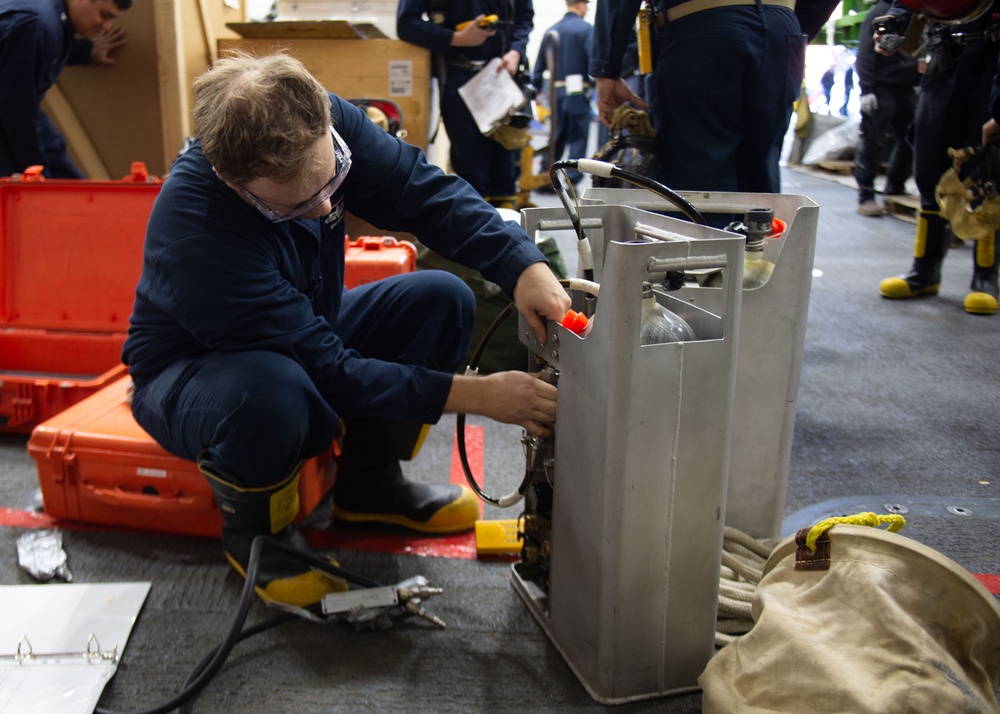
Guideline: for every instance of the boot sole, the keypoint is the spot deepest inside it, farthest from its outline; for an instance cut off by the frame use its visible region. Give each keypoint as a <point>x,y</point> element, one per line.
<point>458,516</point>
<point>390,519</point>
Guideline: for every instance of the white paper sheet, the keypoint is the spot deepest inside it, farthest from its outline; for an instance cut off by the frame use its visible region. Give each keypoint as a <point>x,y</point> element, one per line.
<point>491,96</point>
<point>58,622</point>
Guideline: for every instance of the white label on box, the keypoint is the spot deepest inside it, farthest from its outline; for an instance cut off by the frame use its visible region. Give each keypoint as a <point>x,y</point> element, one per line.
<point>400,78</point>
<point>151,473</point>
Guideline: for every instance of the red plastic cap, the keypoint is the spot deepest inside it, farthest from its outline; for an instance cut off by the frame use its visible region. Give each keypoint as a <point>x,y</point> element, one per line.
<point>575,322</point>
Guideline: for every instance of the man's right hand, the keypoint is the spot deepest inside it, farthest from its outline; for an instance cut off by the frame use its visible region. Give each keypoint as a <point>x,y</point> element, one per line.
<point>611,94</point>
<point>508,397</point>
<point>472,35</point>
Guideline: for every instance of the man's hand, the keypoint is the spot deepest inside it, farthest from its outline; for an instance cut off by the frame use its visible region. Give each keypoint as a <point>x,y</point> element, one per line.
<point>105,42</point>
<point>869,103</point>
<point>991,132</point>
<point>611,94</point>
<point>510,62</point>
<point>538,294</point>
<point>472,35</point>
<point>508,397</point>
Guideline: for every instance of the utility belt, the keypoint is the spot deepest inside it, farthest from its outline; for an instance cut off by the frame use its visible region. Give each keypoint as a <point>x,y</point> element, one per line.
<point>470,65</point>
<point>690,7</point>
<point>975,38</point>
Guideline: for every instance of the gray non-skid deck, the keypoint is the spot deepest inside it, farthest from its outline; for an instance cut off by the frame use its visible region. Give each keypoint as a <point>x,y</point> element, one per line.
<point>898,404</point>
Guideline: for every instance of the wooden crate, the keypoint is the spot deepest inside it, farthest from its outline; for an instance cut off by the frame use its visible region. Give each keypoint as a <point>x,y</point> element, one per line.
<point>904,208</point>
<point>356,69</point>
<point>139,109</point>
<point>837,166</point>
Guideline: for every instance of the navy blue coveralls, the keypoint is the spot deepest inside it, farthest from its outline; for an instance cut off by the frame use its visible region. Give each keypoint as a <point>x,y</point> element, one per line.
<point>484,163</point>
<point>36,42</point>
<point>892,79</point>
<point>724,81</point>
<point>244,347</point>
<point>573,112</point>
<point>954,98</point>
<point>954,103</point>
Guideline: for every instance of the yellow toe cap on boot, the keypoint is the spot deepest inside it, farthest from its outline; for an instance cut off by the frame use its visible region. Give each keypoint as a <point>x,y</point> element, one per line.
<point>980,304</point>
<point>456,516</point>
<point>897,288</point>
<point>298,590</point>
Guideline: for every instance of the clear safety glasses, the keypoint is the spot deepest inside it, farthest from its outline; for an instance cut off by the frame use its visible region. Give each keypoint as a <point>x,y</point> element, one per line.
<point>343,155</point>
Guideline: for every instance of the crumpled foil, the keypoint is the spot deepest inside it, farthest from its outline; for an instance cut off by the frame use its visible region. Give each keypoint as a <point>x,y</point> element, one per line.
<point>41,554</point>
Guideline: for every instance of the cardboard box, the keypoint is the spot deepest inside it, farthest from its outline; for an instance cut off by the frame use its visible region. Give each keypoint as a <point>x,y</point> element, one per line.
<point>97,465</point>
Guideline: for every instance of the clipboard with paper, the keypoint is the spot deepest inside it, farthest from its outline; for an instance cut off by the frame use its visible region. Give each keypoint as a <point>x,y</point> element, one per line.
<point>492,97</point>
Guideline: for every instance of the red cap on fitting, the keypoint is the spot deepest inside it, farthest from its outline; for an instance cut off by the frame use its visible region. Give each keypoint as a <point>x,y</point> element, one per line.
<point>575,322</point>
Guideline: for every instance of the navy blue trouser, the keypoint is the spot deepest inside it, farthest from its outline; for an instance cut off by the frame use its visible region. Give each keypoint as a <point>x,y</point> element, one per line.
<point>484,163</point>
<point>572,130</point>
<point>256,414</point>
<point>723,87</point>
<point>953,106</point>
<point>895,111</point>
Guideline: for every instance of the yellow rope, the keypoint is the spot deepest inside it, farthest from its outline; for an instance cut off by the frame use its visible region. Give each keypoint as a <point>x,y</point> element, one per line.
<point>894,520</point>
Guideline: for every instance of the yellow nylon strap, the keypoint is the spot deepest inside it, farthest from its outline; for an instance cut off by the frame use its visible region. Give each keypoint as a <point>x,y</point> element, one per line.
<point>894,520</point>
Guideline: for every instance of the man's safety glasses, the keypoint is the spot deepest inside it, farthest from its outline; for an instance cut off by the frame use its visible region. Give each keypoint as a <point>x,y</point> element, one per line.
<point>343,155</point>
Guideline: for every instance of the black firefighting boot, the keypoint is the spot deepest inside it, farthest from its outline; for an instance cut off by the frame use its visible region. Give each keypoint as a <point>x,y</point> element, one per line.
<point>924,277</point>
<point>983,298</point>
<point>371,488</point>
<point>250,512</point>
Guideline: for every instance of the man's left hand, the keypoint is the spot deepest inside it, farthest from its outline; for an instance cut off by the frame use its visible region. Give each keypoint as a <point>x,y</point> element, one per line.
<point>538,294</point>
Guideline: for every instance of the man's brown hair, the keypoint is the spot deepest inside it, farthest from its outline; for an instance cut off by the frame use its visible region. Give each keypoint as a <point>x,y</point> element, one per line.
<point>259,117</point>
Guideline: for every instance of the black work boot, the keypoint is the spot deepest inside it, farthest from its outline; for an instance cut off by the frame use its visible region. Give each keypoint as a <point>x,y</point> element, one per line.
<point>371,488</point>
<point>250,512</point>
<point>982,300</point>
<point>929,250</point>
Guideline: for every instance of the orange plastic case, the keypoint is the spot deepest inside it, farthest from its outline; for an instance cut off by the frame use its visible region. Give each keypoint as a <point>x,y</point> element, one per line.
<point>97,465</point>
<point>71,254</point>
<point>370,258</point>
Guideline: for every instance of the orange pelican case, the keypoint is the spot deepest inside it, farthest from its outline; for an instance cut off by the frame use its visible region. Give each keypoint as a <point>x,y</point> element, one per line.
<point>97,465</point>
<point>372,257</point>
<point>71,255</point>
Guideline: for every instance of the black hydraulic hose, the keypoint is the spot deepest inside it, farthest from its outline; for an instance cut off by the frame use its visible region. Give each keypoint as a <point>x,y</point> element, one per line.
<point>473,368</point>
<point>463,455</point>
<point>210,665</point>
<point>569,205</point>
<point>609,170</point>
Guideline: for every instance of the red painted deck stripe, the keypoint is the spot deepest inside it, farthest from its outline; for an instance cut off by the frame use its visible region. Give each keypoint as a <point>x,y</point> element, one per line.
<point>992,582</point>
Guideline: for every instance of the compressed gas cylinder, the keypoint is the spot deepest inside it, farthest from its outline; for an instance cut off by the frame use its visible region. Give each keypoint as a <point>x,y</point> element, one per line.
<point>659,325</point>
